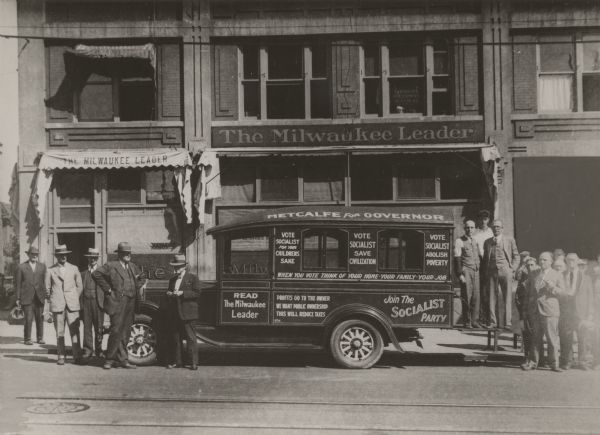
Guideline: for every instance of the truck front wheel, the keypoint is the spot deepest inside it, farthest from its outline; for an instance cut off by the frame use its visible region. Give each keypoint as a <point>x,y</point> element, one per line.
<point>356,344</point>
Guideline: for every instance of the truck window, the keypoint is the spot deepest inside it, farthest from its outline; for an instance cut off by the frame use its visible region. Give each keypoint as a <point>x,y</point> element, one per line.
<point>324,249</point>
<point>400,250</point>
<point>247,254</point>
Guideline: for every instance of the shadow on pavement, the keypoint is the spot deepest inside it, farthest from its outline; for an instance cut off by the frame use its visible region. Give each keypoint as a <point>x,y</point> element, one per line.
<point>11,340</point>
<point>44,359</point>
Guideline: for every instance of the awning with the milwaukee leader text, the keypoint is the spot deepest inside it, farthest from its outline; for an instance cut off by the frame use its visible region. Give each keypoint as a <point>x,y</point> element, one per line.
<point>146,51</point>
<point>50,161</point>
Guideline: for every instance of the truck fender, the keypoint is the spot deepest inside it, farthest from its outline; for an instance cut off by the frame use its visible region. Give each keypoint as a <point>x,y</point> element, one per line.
<point>363,312</point>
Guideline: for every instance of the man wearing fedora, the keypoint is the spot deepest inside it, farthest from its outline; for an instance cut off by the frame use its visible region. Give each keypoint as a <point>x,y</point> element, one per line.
<point>121,283</point>
<point>180,306</point>
<point>63,284</point>
<point>31,294</point>
<point>92,301</point>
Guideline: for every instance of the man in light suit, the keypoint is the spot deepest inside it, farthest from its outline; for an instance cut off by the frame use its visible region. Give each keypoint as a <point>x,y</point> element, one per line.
<point>576,316</point>
<point>543,288</point>
<point>31,294</point>
<point>500,261</point>
<point>64,287</point>
<point>121,283</point>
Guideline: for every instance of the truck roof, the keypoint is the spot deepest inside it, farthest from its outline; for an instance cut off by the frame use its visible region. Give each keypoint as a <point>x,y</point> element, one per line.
<point>338,214</point>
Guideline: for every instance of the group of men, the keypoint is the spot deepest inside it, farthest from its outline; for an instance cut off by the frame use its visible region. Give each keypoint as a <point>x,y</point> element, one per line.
<point>556,299</point>
<point>73,295</point>
<point>486,261</point>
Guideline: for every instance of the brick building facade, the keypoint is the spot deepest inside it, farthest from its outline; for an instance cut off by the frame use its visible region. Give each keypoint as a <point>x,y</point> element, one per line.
<point>422,105</point>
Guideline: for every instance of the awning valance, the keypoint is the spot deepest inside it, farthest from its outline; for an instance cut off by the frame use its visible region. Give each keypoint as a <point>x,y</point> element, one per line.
<point>146,51</point>
<point>50,161</point>
<point>113,159</point>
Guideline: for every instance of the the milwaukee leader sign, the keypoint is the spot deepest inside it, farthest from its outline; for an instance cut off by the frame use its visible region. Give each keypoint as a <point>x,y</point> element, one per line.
<point>348,134</point>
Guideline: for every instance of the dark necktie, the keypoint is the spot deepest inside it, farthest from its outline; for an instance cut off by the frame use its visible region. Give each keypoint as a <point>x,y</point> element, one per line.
<point>571,279</point>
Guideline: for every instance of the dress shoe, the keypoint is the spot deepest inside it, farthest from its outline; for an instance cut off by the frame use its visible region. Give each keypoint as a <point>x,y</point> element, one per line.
<point>508,328</point>
<point>528,366</point>
<point>28,342</point>
<point>172,366</point>
<point>61,361</point>
<point>41,342</point>
<point>81,361</point>
<point>565,367</point>
<point>101,354</point>
<point>492,326</point>
<point>128,365</point>
<point>476,325</point>
<point>556,369</point>
<point>107,365</point>
<point>467,326</point>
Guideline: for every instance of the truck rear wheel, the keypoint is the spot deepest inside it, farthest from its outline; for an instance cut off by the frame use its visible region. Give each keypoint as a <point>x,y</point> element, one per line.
<point>356,344</point>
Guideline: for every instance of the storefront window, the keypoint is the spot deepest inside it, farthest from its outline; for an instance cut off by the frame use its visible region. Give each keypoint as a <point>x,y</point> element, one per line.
<point>371,179</point>
<point>461,178</point>
<point>160,185</point>
<point>238,182</point>
<point>324,180</point>
<point>124,186</point>
<point>324,249</point>
<point>416,182</point>
<point>247,254</point>
<point>75,196</point>
<point>400,250</point>
<point>279,182</point>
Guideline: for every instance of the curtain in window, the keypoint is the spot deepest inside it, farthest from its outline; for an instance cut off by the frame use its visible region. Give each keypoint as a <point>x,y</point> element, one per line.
<point>556,93</point>
<point>323,190</point>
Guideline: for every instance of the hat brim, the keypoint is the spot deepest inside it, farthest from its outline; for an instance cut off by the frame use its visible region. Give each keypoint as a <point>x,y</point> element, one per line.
<point>125,252</point>
<point>62,253</point>
<point>91,255</point>
<point>178,264</point>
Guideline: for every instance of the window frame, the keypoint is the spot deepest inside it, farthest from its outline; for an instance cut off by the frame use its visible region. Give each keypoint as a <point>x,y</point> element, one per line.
<point>228,237</point>
<point>428,75</point>
<point>380,268</point>
<point>263,79</point>
<point>322,234</point>
<point>95,200</point>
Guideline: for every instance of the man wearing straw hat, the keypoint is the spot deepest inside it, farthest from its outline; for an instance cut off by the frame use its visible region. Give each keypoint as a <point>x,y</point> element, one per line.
<point>63,284</point>
<point>120,281</point>
<point>31,294</point>
<point>92,301</point>
<point>181,308</point>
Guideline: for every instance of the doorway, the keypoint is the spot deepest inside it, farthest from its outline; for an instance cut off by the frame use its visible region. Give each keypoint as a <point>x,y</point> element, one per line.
<point>78,243</point>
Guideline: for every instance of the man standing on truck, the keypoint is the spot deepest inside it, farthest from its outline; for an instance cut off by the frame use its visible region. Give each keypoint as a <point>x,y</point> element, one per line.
<point>120,281</point>
<point>482,233</point>
<point>500,260</point>
<point>466,258</point>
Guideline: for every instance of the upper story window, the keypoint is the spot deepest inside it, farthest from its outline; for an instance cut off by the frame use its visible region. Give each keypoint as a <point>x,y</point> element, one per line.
<point>568,71</point>
<point>75,194</point>
<point>135,186</point>
<point>284,81</point>
<point>408,77</point>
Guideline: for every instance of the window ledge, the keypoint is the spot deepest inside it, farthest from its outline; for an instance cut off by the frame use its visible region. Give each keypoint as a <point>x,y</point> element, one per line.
<point>128,124</point>
<point>555,115</point>
<point>348,121</point>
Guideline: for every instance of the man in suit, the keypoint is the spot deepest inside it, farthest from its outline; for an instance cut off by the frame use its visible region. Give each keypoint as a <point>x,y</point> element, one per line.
<point>527,322</point>
<point>92,301</point>
<point>500,260</point>
<point>63,283</point>
<point>31,294</point>
<point>576,316</point>
<point>466,258</point>
<point>121,283</point>
<point>181,308</point>
<point>543,288</point>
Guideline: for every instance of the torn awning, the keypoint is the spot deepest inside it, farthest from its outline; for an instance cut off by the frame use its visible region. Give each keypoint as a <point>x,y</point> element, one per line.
<point>146,51</point>
<point>50,161</point>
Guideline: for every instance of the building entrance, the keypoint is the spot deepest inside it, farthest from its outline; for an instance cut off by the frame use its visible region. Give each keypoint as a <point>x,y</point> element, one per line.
<point>79,243</point>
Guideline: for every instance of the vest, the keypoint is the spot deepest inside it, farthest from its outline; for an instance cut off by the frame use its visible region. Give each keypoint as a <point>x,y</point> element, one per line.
<point>469,256</point>
<point>129,284</point>
<point>89,285</point>
<point>498,260</point>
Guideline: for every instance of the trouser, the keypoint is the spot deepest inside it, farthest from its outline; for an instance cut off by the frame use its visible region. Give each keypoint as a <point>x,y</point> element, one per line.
<point>566,333</point>
<point>470,296</point>
<point>31,312</point>
<point>182,330</point>
<point>529,338</point>
<point>585,344</point>
<point>93,322</point>
<point>500,294</point>
<point>70,318</point>
<point>120,330</point>
<point>546,326</point>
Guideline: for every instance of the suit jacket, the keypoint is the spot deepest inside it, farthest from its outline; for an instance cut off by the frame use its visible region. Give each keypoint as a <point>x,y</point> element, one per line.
<point>578,303</point>
<point>111,276</point>
<point>65,288</point>
<point>30,283</point>
<point>88,281</point>
<point>509,247</point>
<point>542,294</point>
<point>185,307</point>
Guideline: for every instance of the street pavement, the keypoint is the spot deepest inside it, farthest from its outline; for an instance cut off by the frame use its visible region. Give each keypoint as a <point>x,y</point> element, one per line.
<point>452,385</point>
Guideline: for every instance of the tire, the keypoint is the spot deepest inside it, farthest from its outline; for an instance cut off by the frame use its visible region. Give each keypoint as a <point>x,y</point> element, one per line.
<point>356,344</point>
<point>142,347</point>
